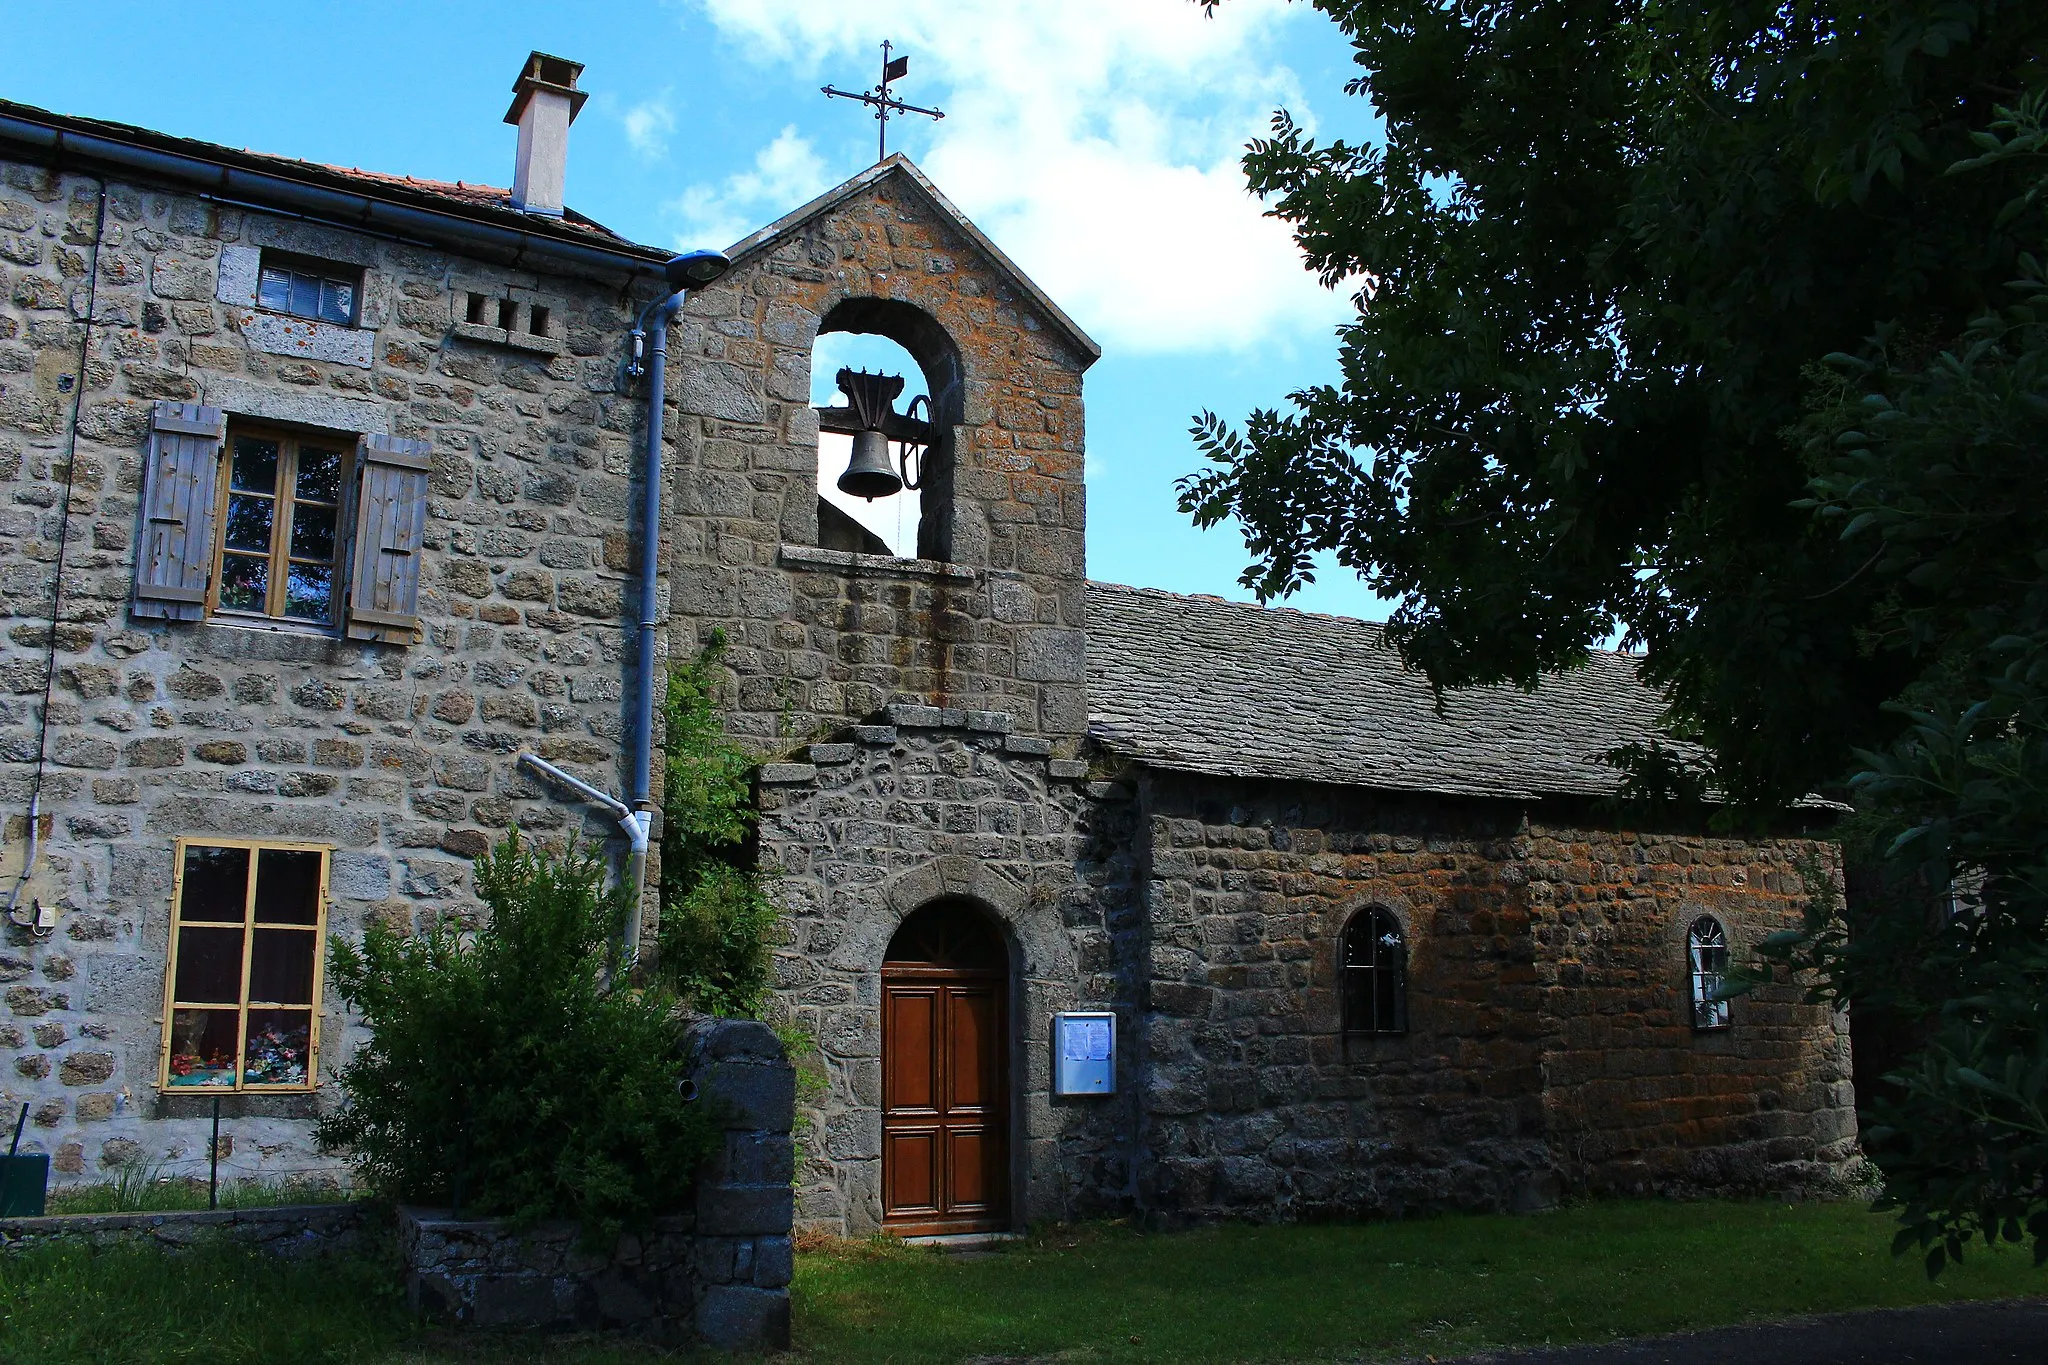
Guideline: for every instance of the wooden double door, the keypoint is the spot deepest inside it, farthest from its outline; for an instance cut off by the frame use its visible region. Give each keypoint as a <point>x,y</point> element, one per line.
<point>945,1075</point>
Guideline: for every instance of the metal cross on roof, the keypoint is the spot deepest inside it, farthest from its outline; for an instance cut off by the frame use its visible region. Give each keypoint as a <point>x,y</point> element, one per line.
<point>883,103</point>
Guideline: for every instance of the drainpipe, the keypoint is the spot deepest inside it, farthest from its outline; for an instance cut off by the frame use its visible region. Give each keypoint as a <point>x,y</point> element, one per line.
<point>634,824</point>
<point>655,367</point>
<point>691,270</point>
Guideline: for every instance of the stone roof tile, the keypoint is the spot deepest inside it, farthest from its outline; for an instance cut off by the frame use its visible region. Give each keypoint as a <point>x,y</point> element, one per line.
<point>1203,685</point>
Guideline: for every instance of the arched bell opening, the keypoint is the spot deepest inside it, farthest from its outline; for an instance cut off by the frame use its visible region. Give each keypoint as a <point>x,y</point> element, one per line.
<point>946,1072</point>
<point>886,381</point>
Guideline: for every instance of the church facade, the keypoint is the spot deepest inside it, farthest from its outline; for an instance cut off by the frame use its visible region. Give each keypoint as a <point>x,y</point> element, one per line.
<point>1096,899</point>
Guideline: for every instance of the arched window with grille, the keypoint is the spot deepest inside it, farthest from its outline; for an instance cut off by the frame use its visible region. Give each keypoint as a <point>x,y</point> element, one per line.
<point>1706,951</point>
<point>1375,971</point>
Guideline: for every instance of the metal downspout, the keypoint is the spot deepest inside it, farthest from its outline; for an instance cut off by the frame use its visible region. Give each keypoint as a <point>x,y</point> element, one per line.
<point>637,820</point>
<point>634,824</point>
<point>650,551</point>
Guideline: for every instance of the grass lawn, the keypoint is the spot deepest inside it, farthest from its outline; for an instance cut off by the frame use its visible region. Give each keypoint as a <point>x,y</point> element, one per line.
<point>1441,1287</point>
<point>164,1194</point>
<point>1088,1294</point>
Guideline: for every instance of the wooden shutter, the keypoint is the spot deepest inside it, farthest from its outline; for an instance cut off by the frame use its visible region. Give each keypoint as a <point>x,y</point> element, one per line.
<point>391,523</point>
<point>174,555</point>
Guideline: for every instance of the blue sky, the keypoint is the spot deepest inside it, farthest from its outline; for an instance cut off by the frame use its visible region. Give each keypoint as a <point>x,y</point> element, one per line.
<point>1095,140</point>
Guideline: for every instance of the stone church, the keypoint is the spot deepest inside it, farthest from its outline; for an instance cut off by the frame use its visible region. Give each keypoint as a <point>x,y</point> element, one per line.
<point>324,560</point>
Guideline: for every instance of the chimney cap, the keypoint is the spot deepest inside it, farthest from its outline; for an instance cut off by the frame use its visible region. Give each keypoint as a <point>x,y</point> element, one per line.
<point>546,72</point>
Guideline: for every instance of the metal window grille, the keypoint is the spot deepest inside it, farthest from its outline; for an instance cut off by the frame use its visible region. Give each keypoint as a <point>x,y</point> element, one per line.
<point>1375,973</point>
<point>1706,947</point>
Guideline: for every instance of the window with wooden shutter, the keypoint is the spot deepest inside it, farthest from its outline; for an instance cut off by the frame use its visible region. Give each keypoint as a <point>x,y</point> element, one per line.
<point>391,524</point>
<point>280,518</point>
<point>174,556</point>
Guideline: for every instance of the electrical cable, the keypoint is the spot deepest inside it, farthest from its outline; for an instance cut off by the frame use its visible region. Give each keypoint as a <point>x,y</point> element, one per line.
<point>35,799</point>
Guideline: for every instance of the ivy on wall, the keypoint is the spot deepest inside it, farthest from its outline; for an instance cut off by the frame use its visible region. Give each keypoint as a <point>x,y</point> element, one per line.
<point>716,915</point>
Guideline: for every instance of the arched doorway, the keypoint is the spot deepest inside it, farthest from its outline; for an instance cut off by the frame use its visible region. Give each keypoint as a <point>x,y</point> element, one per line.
<point>945,1073</point>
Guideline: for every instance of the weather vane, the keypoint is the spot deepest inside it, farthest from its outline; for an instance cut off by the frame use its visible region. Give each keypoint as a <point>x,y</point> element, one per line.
<point>879,97</point>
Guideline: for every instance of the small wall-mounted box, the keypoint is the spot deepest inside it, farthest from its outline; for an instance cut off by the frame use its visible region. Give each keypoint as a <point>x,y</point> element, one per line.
<point>1084,1053</point>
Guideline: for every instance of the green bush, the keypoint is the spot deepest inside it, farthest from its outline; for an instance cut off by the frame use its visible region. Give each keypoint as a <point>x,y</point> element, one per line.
<point>716,916</point>
<point>503,1072</point>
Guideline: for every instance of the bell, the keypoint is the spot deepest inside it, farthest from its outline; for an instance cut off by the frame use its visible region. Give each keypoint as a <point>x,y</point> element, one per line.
<point>869,474</point>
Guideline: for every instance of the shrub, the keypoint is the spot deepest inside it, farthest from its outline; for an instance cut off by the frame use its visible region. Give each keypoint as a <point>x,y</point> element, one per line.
<point>503,1072</point>
<point>716,916</point>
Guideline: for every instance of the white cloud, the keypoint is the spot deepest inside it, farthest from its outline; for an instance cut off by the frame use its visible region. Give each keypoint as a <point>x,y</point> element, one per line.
<point>648,125</point>
<point>1096,141</point>
<point>786,173</point>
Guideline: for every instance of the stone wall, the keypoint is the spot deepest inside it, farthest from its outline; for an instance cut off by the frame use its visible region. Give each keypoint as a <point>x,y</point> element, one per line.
<point>992,617</point>
<point>286,1230</point>
<point>927,803</point>
<point>718,1275</point>
<point>1549,1044</point>
<point>401,758</point>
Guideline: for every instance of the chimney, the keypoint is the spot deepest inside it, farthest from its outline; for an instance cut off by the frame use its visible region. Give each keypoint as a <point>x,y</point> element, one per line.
<point>545,101</point>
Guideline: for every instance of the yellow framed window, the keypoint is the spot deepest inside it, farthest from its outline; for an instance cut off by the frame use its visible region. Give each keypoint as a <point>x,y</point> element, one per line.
<point>242,988</point>
<point>280,520</point>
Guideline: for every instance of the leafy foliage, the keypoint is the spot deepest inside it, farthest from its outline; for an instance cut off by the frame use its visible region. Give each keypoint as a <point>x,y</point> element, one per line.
<point>504,1071</point>
<point>1722,326</point>
<point>716,916</point>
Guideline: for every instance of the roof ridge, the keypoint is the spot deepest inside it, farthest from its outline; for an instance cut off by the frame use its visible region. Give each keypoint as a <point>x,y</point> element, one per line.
<point>1259,608</point>
<point>897,164</point>
<point>488,204</point>
<point>1378,627</point>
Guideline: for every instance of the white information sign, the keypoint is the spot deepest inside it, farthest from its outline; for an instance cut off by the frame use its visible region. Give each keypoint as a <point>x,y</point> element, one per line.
<point>1084,1053</point>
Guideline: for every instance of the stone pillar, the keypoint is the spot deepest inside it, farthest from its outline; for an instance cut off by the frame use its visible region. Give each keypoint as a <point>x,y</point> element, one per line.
<point>744,1195</point>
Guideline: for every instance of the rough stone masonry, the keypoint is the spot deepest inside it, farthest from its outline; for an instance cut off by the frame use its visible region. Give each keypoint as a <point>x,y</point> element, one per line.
<point>398,758</point>
<point>1173,811</point>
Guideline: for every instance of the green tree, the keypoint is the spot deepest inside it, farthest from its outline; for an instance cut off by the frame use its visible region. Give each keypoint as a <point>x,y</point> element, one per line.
<point>1717,325</point>
<point>504,1070</point>
<point>716,915</point>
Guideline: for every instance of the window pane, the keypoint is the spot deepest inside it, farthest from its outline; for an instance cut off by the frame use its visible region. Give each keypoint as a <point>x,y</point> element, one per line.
<point>313,532</point>
<point>203,1047</point>
<point>288,886</point>
<point>309,592</point>
<point>276,290</point>
<point>243,582</point>
<point>305,295</point>
<point>249,522</point>
<point>1358,1001</point>
<point>209,966</point>
<point>255,465</point>
<point>337,301</point>
<point>216,884</point>
<point>279,1043</point>
<point>281,966</point>
<point>319,474</point>
<point>1387,989</point>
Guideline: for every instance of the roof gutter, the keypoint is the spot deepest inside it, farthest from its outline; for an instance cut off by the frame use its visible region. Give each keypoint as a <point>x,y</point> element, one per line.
<point>343,207</point>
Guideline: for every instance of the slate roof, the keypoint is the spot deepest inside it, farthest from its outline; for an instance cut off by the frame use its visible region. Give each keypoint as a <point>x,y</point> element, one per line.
<point>1198,684</point>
